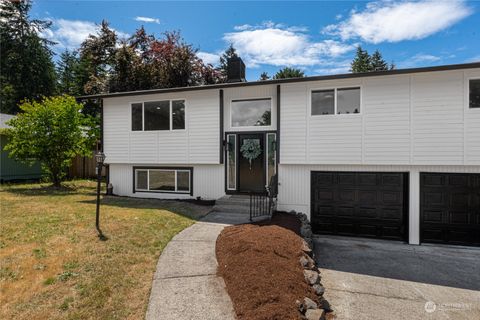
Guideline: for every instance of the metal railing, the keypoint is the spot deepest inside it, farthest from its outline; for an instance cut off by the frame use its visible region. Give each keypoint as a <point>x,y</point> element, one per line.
<point>262,204</point>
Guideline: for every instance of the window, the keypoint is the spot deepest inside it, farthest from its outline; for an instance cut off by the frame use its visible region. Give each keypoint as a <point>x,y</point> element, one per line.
<point>251,113</point>
<point>336,101</point>
<point>171,180</point>
<point>348,100</point>
<point>137,116</point>
<point>158,115</point>
<point>231,161</point>
<point>474,93</point>
<point>271,156</point>
<point>323,102</point>
<point>178,114</point>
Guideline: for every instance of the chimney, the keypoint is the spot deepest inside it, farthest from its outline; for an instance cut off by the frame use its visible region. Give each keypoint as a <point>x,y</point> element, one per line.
<point>235,70</point>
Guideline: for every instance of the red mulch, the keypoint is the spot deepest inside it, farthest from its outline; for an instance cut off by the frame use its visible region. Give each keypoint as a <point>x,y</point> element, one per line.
<point>261,269</point>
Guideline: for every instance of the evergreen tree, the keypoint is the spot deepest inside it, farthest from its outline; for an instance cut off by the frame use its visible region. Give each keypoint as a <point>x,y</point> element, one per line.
<point>26,67</point>
<point>289,73</point>
<point>67,78</point>
<point>362,61</point>
<point>377,62</point>
<point>264,76</point>
<point>231,52</point>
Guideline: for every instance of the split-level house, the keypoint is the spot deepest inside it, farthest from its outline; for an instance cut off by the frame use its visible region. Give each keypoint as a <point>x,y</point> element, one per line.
<point>392,154</point>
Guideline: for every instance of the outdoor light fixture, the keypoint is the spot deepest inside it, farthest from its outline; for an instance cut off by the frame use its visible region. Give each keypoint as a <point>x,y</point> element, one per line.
<point>99,159</point>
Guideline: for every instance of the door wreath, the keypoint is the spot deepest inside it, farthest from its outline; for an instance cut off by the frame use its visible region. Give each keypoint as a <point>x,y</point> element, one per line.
<point>251,150</point>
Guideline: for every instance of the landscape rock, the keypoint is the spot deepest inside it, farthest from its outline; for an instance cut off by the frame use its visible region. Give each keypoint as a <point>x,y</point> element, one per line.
<point>306,248</point>
<point>311,277</point>
<point>319,289</point>
<point>315,314</point>
<point>307,262</point>
<point>325,305</point>
<point>309,304</point>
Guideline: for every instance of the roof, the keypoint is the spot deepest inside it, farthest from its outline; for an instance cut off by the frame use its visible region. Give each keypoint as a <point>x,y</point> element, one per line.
<point>3,119</point>
<point>290,80</point>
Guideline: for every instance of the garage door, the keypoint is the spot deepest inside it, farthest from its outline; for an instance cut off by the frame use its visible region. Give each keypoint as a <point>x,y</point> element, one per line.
<point>367,204</point>
<point>450,208</point>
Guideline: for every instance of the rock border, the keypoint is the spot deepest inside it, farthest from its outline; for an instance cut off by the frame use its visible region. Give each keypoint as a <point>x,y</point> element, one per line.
<point>308,308</point>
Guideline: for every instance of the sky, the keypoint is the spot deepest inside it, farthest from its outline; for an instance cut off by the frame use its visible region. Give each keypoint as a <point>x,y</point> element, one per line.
<point>318,37</point>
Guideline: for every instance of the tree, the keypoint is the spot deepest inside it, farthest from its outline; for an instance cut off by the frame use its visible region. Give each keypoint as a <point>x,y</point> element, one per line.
<point>68,74</point>
<point>361,62</point>
<point>364,62</point>
<point>230,52</point>
<point>378,64</point>
<point>287,72</point>
<point>98,54</point>
<point>26,67</point>
<point>264,76</point>
<point>52,131</point>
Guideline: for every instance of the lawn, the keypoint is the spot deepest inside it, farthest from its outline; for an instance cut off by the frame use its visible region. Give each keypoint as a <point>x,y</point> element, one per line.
<point>52,265</point>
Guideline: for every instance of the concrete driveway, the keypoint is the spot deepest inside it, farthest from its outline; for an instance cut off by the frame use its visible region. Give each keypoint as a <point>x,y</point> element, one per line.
<point>374,279</point>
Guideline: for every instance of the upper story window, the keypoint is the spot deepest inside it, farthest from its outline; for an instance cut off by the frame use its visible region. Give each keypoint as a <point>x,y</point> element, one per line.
<point>336,101</point>
<point>158,115</point>
<point>474,93</point>
<point>251,113</point>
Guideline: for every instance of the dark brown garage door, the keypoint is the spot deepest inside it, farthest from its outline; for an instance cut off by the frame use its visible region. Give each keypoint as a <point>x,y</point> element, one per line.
<point>367,204</point>
<point>450,208</point>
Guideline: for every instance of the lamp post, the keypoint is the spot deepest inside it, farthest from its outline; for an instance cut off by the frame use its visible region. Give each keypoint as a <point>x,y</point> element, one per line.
<point>99,159</point>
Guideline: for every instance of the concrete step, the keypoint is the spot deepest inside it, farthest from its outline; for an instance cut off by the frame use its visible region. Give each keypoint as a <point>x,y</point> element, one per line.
<point>233,208</point>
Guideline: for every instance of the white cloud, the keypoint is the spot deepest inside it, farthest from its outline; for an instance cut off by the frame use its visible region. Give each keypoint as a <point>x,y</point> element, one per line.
<point>420,59</point>
<point>393,21</point>
<point>278,45</point>
<point>147,19</point>
<point>210,58</point>
<point>69,34</point>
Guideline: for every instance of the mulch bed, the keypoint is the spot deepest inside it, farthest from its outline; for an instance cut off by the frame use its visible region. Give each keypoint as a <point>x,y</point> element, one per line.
<point>260,266</point>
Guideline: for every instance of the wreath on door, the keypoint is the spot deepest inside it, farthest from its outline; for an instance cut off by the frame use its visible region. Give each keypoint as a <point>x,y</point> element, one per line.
<point>251,150</point>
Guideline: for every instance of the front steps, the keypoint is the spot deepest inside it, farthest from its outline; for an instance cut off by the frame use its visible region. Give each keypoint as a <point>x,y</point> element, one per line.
<point>233,204</point>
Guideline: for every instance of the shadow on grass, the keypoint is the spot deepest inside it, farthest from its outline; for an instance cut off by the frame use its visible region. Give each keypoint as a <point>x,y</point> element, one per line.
<point>42,190</point>
<point>189,209</point>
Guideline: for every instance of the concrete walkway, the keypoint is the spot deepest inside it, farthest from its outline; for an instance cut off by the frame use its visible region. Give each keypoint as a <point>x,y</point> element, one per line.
<point>377,280</point>
<point>185,285</point>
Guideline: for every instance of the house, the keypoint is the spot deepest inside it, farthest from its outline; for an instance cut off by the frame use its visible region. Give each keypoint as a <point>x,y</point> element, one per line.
<point>391,154</point>
<point>10,169</point>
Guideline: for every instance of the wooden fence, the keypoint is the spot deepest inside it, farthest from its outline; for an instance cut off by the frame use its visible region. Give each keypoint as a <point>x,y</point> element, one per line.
<point>83,167</point>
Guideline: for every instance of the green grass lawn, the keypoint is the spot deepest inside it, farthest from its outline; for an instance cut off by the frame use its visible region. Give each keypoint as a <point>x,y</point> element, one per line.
<point>52,265</point>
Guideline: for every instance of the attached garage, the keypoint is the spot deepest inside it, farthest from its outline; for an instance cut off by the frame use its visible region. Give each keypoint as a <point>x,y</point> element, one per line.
<point>366,204</point>
<point>450,208</point>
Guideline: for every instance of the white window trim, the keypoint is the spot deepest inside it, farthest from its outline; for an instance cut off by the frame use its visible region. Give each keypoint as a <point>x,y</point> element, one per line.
<point>467,93</point>
<point>259,128</point>
<point>335,89</point>
<point>169,110</point>
<point>163,191</point>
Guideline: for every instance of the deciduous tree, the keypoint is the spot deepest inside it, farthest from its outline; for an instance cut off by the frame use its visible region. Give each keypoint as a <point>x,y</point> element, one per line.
<point>52,131</point>
<point>289,73</point>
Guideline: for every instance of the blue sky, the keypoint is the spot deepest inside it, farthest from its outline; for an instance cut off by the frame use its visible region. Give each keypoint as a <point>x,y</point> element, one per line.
<point>318,37</point>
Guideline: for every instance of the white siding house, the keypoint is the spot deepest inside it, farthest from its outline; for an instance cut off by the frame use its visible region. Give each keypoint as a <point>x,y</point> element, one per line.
<point>368,148</point>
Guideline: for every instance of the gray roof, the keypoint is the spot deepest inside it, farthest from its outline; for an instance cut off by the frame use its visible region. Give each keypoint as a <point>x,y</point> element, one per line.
<point>280,81</point>
<point>4,118</point>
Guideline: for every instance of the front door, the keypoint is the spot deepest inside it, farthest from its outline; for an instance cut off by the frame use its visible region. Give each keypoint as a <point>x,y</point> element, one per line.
<point>251,163</point>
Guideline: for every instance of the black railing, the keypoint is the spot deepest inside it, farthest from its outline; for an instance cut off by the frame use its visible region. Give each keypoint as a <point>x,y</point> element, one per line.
<point>261,204</point>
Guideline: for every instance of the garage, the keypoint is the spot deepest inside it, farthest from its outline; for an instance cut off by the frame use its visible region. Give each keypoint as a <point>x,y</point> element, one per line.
<point>450,208</point>
<point>364,204</point>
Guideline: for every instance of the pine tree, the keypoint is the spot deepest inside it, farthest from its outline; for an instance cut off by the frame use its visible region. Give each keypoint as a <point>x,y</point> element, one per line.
<point>362,61</point>
<point>289,73</point>
<point>378,64</point>
<point>264,76</point>
<point>26,67</point>
<point>231,52</point>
